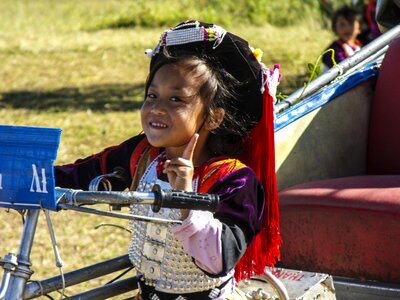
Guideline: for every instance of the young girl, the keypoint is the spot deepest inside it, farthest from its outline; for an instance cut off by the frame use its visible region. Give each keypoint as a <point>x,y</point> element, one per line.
<point>207,103</point>
<point>346,23</point>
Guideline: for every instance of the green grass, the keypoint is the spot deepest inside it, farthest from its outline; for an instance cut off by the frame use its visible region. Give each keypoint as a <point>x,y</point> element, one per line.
<point>94,14</point>
<point>62,65</point>
<point>79,242</point>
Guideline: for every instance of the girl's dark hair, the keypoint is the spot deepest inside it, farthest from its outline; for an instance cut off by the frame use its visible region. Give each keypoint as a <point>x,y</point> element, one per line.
<point>348,14</point>
<point>217,89</point>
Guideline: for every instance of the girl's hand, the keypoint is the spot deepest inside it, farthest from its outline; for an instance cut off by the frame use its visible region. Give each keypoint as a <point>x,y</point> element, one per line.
<point>180,169</point>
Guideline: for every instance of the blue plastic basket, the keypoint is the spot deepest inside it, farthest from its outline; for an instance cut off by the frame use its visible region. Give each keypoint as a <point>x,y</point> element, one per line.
<point>27,156</point>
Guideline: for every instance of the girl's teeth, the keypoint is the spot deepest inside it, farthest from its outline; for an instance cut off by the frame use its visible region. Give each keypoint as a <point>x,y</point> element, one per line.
<point>158,125</point>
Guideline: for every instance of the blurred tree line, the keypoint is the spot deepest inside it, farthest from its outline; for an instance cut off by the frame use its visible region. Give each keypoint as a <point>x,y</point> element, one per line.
<point>153,13</point>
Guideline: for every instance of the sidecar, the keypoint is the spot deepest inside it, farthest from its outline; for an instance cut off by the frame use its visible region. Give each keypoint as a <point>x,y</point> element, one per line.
<point>338,170</point>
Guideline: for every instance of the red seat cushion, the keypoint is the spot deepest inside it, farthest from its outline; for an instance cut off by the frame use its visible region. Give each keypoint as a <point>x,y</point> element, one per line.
<point>346,227</point>
<point>384,142</point>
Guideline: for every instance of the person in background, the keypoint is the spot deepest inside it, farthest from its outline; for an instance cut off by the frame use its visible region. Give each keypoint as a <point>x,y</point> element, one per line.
<point>346,24</point>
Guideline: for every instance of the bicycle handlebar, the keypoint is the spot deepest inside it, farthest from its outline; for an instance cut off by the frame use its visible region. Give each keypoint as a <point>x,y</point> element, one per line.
<point>157,198</point>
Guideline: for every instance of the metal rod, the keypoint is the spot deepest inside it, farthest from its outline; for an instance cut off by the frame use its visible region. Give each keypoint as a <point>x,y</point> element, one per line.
<point>276,284</point>
<point>345,65</point>
<point>38,288</point>
<point>22,272</point>
<point>117,215</point>
<point>103,197</point>
<point>4,283</point>
<point>377,57</point>
<point>9,263</point>
<point>109,290</point>
<point>158,198</point>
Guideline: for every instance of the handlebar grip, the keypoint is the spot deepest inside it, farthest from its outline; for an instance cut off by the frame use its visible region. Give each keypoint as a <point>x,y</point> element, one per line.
<point>182,199</point>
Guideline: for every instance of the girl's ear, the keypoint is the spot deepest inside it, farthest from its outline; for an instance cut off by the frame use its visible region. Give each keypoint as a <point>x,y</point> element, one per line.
<point>215,119</point>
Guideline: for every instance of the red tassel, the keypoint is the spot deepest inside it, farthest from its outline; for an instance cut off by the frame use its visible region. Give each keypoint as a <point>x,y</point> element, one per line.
<point>259,155</point>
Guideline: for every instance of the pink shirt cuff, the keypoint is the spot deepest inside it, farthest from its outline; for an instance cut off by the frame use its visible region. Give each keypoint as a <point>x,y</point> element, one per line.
<point>200,235</point>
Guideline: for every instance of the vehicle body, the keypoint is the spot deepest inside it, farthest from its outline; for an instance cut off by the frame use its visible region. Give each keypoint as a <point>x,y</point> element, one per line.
<point>338,170</point>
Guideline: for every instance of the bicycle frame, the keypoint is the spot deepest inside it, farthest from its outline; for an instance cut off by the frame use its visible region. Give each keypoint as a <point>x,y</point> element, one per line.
<point>15,287</point>
<point>17,270</point>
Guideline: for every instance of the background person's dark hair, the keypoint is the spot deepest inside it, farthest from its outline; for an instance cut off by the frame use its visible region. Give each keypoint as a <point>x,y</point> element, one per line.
<point>217,89</point>
<point>348,14</point>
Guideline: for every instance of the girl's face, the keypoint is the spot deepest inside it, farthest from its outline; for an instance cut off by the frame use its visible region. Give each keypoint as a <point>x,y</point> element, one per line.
<point>172,111</point>
<point>345,30</point>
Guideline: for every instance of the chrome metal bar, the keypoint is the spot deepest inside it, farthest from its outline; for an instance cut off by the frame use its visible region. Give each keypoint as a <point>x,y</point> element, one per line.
<point>72,199</point>
<point>37,289</point>
<point>109,290</point>
<point>22,272</point>
<point>4,283</point>
<point>9,263</point>
<point>103,197</point>
<point>116,215</point>
<point>342,67</point>
<point>276,284</point>
<point>377,57</point>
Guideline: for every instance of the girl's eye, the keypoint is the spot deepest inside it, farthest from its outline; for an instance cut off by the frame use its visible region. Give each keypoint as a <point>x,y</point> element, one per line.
<point>175,99</point>
<point>151,96</point>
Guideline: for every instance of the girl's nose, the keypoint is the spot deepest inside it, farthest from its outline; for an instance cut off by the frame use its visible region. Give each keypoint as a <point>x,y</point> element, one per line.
<point>158,107</point>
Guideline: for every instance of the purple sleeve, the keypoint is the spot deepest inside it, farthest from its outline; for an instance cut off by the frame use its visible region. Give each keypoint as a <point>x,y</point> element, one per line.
<point>241,201</point>
<point>79,174</point>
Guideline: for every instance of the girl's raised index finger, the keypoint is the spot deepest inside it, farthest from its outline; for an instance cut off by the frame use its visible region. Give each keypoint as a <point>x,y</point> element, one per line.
<point>189,150</point>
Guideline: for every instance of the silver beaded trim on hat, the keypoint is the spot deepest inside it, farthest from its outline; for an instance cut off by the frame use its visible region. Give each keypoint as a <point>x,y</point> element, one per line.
<point>186,33</point>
